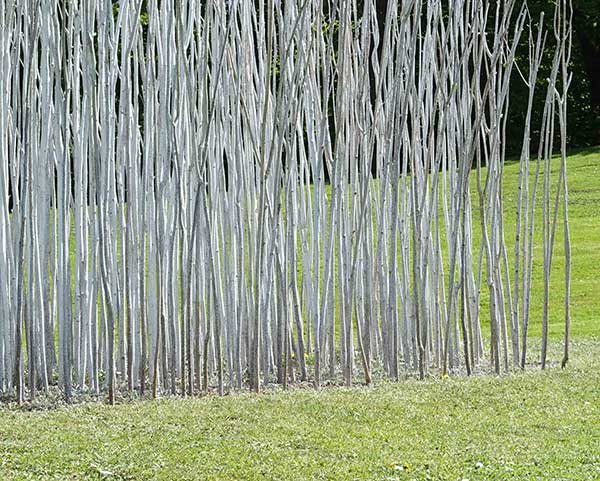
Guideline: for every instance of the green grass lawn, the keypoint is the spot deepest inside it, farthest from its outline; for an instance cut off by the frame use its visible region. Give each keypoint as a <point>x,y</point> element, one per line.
<point>532,425</point>
<point>526,425</point>
<point>584,219</point>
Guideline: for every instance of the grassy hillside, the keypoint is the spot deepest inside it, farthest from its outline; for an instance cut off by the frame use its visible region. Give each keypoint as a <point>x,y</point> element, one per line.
<point>584,216</point>
<point>532,425</point>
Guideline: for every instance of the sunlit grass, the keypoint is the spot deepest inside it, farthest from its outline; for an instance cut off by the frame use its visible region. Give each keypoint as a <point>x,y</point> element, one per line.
<point>527,426</point>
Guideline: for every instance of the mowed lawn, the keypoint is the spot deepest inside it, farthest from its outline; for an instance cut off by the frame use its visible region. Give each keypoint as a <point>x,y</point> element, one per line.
<point>528,425</point>
<point>532,425</point>
<point>584,219</point>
